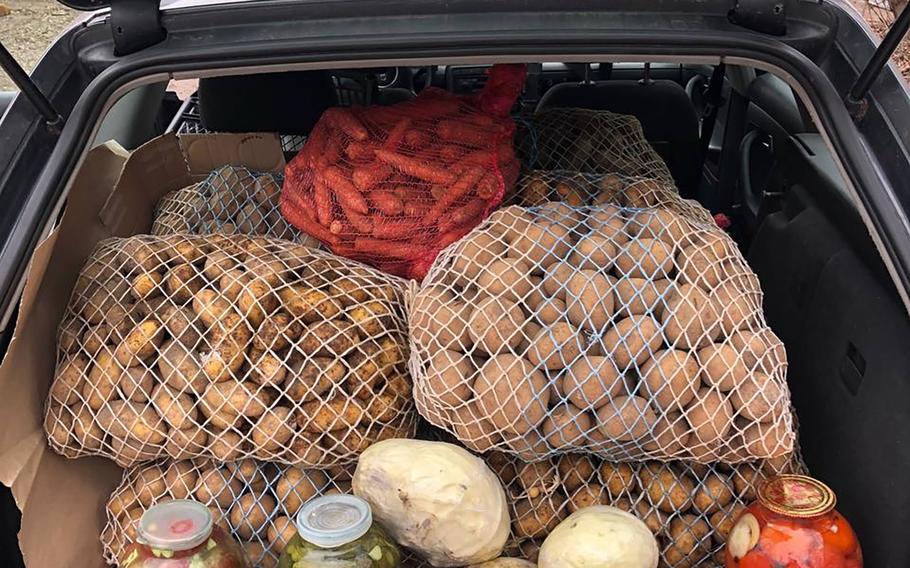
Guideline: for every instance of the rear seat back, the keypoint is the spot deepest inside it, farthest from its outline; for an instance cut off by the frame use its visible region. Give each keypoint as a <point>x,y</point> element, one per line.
<point>665,111</point>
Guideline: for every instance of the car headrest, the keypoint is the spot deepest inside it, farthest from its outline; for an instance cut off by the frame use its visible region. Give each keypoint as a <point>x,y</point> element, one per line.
<point>776,98</point>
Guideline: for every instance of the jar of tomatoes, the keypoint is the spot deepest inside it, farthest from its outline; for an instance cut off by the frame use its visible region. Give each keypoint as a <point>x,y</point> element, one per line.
<point>181,534</point>
<point>793,524</point>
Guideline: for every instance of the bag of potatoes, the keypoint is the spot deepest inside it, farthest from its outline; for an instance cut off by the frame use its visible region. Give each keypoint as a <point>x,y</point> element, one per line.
<point>689,507</point>
<point>631,328</point>
<point>228,347</point>
<point>231,200</point>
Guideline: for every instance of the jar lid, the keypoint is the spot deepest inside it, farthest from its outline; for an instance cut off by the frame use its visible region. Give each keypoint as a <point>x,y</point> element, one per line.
<point>334,520</point>
<point>796,496</point>
<point>175,525</point>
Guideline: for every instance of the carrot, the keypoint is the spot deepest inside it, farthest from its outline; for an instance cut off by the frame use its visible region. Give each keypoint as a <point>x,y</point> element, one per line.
<point>399,229</point>
<point>397,134</point>
<point>348,196</point>
<point>450,152</point>
<point>387,202</point>
<point>302,219</point>
<point>437,191</point>
<point>480,157</point>
<point>463,215</point>
<point>464,133</point>
<point>415,209</point>
<point>360,151</point>
<point>345,121</point>
<point>384,248</point>
<point>431,106</point>
<point>416,138</point>
<point>417,168</point>
<point>323,202</point>
<point>465,183</point>
<point>365,177</point>
<point>445,239</point>
<point>480,119</point>
<point>487,187</point>
<point>360,223</point>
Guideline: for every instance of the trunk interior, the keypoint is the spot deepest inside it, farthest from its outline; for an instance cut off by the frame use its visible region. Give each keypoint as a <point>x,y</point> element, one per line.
<point>827,292</point>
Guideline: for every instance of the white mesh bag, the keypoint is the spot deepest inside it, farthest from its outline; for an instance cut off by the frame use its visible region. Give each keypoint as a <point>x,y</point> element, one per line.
<point>631,328</point>
<point>228,347</point>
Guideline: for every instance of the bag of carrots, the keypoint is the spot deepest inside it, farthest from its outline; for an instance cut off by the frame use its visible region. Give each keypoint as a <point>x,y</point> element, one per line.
<point>392,186</point>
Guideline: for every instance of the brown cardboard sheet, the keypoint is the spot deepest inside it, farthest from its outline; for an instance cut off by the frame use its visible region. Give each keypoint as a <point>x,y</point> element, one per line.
<point>113,194</point>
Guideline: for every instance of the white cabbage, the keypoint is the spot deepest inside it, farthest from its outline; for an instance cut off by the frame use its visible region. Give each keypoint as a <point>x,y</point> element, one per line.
<point>435,498</point>
<point>599,537</point>
<point>505,563</point>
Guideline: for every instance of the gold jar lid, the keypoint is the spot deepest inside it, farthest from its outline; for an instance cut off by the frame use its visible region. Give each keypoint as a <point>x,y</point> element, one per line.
<point>796,496</point>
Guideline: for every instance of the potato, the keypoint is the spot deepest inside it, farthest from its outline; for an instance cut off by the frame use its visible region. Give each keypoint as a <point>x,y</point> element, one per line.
<point>121,501</point>
<point>587,496</point>
<point>256,553</point>
<point>690,318</point>
<point>722,366</point>
<point>575,470</point>
<point>180,324</point>
<point>250,515</point>
<point>618,478</point>
<point>309,304</point>
<point>439,320</point>
<point>181,368</point>
<point>337,413</point>
<point>495,325</point>
<point>231,284</point>
<point>129,452</point>
<point>645,193</point>
<point>592,381</point>
<point>512,393</point>
<point>217,263</point>
<point>235,398</point>
<point>537,478</point>
<point>766,439</point>
<point>759,398</point>
<point>541,244</point>
<point>594,252</point>
<point>565,426</point>
<point>671,378</point>
<point>640,296</point>
<point>556,346</point>
<point>104,300</point>
<point>476,251</point>
<point>508,278</point>
<point>140,344</point>
<point>626,418</point>
<point>69,380</point>
<point>149,485</point>
<point>181,478</point>
<point>210,306</point>
<point>273,430</point>
<point>688,543</point>
<point>312,377</point>
<point>528,446</point>
<point>88,432</point>
<point>560,213</point>
<point>532,518</point>
<point>371,318</point>
<point>268,370</point>
<point>183,444</point>
<point>722,521</point>
<point>670,436</point>
<point>711,416</point>
<point>297,486</point>
<point>58,426</point>
<point>509,222</point>
<point>145,285</point>
<point>556,279</point>
<point>216,485</point>
<point>255,301</point>
<point>701,259</point>
<point>230,338</point>
<point>712,493</point>
<point>277,332</point>
<point>760,350</point>
<point>250,472</point>
<point>607,221</point>
<point>449,376</point>
<point>589,300</point>
<point>281,530</point>
<point>226,445</point>
<point>331,338</point>
<point>178,409</point>
<point>131,522</point>
<point>666,489</point>
<point>182,283</point>
<point>645,258</point>
<point>133,253</point>
<point>738,309</point>
<point>132,419</point>
<point>632,340</point>
<point>660,223</point>
<point>549,311</point>
<point>473,428</point>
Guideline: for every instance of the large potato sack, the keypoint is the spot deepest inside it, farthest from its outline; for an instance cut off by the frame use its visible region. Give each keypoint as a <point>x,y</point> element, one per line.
<point>629,326</point>
<point>229,347</point>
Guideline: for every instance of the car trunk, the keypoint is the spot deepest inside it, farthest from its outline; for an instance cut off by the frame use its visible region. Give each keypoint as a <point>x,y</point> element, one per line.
<point>769,167</point>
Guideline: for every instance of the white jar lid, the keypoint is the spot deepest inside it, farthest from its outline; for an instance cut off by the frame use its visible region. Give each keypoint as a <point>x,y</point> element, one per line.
<point>334,520</point>
<point>175,525</point>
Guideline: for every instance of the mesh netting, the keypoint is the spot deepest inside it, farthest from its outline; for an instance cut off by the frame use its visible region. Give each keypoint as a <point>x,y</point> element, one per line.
<point>585,140</point>
<point>228,347</point>
<point>231,200</point>
<point>631,329</point>
<point>393,185</point>
<point>689,507</point>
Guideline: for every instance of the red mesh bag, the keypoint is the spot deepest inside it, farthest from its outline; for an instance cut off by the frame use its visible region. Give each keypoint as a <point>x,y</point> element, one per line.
<point>393,185</point>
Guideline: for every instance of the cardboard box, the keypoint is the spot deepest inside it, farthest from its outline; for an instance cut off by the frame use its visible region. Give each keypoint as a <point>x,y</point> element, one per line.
<point>113,195</point>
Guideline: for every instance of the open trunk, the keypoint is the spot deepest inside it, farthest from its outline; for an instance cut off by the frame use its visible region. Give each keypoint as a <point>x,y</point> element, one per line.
<point>769,163</point>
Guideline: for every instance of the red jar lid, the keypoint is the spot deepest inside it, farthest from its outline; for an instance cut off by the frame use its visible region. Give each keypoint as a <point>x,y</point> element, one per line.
<point>796,496</point>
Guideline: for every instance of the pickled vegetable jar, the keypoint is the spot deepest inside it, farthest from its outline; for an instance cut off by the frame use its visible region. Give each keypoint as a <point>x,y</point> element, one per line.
<point>793,524</point>
<point>338,531</point>
<point>181,534</point>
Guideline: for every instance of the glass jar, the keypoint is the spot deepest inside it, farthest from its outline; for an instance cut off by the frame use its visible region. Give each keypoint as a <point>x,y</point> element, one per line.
<point>793,524</point>
<point>181,534</point>
<point>338,531</point>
